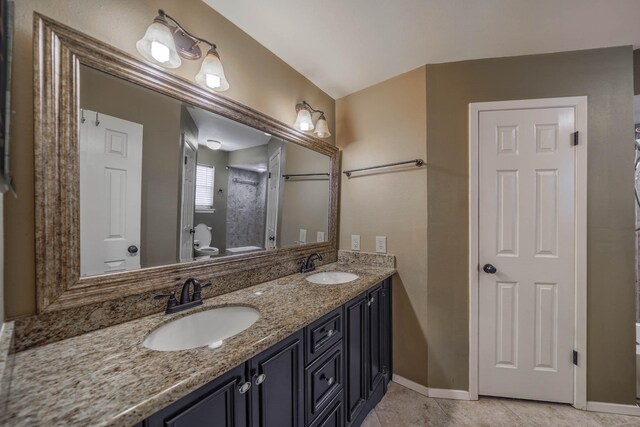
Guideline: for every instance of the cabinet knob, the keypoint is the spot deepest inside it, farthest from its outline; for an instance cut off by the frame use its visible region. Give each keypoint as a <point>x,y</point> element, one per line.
<point>244,387</point>
<point>330,332</point>
<point>329,380</point>
<point>260,379</point>
<point>371,300</point>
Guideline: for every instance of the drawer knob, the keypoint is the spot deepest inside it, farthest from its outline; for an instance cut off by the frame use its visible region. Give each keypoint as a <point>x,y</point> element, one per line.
<point>260,379</point>
<point>244,387</point>
<point>330,332</point>
<point>329,380</point>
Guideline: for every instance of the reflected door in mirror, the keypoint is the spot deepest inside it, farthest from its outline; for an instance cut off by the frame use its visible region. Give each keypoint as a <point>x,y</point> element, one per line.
<point>273,196</point>
<point>110,188</point>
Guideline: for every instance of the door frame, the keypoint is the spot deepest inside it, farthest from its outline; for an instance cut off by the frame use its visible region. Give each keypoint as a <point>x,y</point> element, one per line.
<point>579,103</point>
<point>186,140</point>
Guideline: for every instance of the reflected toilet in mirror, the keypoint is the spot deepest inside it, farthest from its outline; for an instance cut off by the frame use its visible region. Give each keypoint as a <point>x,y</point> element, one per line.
<point>162,182</point>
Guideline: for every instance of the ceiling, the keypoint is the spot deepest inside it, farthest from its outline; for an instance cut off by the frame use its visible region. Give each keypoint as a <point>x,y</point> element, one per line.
<point>232,135</point>
<point>346,45</point>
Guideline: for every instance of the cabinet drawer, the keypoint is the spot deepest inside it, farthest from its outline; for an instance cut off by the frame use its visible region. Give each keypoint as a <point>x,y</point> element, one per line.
<point>333,416</point>
<point>324,379</point>
<point>322,334</point>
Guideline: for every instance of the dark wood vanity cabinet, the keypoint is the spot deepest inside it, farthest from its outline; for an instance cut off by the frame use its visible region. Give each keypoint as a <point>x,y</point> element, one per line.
<point>222,402</point>
<point>330,374</point>
<point>276,392</point>
<point>368,344</point>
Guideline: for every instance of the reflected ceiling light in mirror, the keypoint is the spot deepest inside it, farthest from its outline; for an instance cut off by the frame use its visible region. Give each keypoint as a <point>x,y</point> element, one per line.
<point>304,120</point>
<point>213,144</point>
<point>165,41</point>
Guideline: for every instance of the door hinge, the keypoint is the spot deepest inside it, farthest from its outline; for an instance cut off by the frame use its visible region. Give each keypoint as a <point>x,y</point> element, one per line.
<point>576,138</point>
<point>575,357</point>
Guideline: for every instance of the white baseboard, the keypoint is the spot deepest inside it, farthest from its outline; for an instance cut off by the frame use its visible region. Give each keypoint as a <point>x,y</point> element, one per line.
<point>443,393</point>
<point>418,388</point>
<point>431,392</point>
<point>614,408</point>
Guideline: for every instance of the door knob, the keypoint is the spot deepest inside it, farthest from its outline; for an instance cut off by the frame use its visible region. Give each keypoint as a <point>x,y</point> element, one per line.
<point>133,249</point>
<point>488,268</point>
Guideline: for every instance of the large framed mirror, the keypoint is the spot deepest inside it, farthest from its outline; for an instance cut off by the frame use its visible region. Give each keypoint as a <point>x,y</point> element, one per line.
<point>144,179</point>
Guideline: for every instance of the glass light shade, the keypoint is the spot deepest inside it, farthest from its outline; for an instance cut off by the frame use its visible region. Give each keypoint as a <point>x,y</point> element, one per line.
<point>213,144</point>
<point>157,46</point>
<point>322,128</point>
<point>211,75</point>
<point>303,121</point>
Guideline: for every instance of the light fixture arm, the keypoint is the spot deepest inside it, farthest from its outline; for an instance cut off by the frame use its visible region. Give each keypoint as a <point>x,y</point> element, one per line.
<point>305,105</point>
<point>163,16</point>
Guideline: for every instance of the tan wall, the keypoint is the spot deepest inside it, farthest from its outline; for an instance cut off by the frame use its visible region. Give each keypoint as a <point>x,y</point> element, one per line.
<point>381,124</point>
<point>257,77</point>
<point>160,117</point>
<point>605,76</point>
<point>249,156</point>
<point>636,71</point>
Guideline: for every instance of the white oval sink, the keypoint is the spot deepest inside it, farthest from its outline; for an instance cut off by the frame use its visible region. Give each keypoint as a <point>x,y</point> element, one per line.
<point>205,328</point>
<point>332,278</point>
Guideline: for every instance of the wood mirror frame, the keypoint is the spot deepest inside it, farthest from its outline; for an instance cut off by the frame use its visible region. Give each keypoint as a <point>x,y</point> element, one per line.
<point>58,52</point>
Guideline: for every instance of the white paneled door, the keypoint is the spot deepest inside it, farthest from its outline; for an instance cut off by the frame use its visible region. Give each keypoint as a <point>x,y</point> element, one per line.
<point>527,253</point>
<point>110,194</point>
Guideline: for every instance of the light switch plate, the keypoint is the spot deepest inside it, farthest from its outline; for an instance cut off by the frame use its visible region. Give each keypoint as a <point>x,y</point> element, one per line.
<point>381,244</point>
<point>355,242</point>
<point>320,236</point>
<point>303,236</point>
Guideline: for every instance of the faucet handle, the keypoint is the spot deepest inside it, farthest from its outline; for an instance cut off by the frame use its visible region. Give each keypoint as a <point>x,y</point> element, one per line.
<point>171,303</point>
<point>197,290</point>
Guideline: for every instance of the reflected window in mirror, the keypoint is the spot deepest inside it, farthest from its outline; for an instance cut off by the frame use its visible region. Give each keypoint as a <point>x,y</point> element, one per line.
<point>162,182</point>
<point>204,188</point>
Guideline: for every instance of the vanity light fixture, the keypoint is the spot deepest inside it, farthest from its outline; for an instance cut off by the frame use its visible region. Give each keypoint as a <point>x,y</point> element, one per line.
<point>304,120</point>
<point>165,41</point>
<point>213,144</point>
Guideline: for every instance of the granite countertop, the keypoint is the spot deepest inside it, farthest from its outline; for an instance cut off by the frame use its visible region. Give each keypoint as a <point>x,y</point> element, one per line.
<point>107,377</point>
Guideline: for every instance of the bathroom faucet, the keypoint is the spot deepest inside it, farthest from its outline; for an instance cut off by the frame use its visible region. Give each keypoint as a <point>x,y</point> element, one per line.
<point>186,301</point>
<point>307,266</point>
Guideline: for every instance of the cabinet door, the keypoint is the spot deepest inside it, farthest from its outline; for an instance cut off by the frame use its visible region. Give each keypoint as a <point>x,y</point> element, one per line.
<point>375,338</point>
<point>387,337</point>
<point>221,403</point>
<point>356,356</point>
<point>277,391</point>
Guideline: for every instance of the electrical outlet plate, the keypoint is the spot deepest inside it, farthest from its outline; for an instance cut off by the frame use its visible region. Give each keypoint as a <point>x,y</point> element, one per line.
<point>303,236</point>
<point>355,242</point>
<point>381,244</point>
<point>320,236</point>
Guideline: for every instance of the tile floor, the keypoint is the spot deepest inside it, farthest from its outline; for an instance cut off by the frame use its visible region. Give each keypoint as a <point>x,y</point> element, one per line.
<point>402,407</point>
